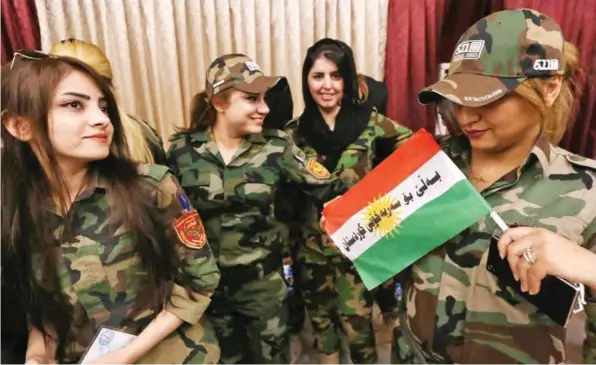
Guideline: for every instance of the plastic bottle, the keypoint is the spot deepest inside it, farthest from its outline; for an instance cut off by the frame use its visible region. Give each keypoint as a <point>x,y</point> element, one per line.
<point>289,277</point>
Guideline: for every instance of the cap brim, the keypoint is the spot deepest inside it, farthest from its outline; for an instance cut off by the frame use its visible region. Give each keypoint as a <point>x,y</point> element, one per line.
<point>259,85</point>
<point>469,89</point>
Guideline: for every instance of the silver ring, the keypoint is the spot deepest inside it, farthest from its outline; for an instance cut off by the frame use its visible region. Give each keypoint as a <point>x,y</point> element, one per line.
<point>529,256</point>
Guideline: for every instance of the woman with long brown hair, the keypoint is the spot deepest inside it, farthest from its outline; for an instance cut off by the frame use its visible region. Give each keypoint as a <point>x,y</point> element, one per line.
<point>144,143</point>
<point>90,238</point>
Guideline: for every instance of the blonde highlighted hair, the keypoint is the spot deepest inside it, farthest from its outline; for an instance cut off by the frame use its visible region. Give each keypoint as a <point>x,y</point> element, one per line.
<point>362,88</point>
<point>97,59</point>
<point>555,118</point>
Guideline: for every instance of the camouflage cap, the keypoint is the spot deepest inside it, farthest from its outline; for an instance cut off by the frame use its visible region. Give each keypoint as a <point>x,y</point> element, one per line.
<point>498,53</point>
<point>238,71</point>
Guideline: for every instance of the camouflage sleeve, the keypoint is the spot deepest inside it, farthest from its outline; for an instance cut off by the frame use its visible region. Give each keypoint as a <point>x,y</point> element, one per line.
<point>311,177</point>
<point>157,150</point>
<point>391,136</point>
<point>398,133</point>
<point>589,351</point>
<point>194,251</point>
<point>176,142</point>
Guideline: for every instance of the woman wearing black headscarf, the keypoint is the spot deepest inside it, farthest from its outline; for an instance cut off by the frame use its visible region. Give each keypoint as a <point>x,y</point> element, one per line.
<point>342,131</point>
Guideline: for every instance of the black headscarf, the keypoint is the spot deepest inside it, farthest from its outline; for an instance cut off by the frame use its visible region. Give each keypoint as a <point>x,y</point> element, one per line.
<point>280,103</point>
<point>353,115</point>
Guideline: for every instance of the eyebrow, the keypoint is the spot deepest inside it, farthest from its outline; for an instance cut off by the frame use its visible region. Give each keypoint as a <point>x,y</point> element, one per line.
<point>82,96</point>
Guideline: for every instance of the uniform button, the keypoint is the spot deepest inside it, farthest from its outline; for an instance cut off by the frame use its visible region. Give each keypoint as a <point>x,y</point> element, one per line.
<point>537,177</point>
<point>574,158</point>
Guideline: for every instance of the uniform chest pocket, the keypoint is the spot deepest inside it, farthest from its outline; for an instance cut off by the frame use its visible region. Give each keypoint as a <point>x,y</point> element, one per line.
<point>201,185</point>
<point>105,276</point>
<point>259,186</point>
<point>354,156</point>
<point>355,162</point>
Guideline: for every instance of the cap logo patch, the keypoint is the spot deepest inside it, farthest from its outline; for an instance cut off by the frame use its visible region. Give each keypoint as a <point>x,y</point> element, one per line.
<point>252,66</point>
<point>217,83</point>
<point>546,65</point>
<point>468,50</point>
<point>484,97</point>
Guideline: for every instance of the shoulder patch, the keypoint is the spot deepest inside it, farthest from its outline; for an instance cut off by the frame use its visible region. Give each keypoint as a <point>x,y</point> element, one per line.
<point>581,161</point>
<point>317,170</point>
<point>190,230</point>
<point>156,172</point>
<point>274,133</point>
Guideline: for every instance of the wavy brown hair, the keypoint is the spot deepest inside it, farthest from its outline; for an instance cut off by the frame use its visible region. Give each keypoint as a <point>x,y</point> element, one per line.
<point>31,177</point>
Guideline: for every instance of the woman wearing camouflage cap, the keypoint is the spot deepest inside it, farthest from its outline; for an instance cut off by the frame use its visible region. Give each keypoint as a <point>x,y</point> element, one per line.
<point>231,167</point>
<point>508,95</point>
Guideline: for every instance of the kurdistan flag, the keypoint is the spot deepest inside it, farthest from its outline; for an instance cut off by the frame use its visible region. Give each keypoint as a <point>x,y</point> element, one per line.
<point>411,203</point>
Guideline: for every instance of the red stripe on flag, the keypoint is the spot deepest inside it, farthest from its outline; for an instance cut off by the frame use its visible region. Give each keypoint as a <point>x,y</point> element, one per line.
<point>408,158</point>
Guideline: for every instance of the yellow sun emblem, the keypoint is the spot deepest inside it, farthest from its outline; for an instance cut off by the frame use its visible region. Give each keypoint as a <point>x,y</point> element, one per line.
<point>382,216</point>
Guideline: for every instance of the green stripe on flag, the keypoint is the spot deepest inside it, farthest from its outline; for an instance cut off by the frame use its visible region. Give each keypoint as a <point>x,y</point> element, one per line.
<point>428,227</point>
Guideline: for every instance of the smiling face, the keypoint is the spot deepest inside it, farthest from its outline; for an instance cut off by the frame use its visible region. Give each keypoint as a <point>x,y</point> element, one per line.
<point>79,127</point>
<point>243,113</point>
<point>500,125</point>
<point>325,83</point>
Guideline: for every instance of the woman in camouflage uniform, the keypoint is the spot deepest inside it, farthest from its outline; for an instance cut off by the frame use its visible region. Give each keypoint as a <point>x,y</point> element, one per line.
<point>348,136</point>
<point>231,167</point>
<point>144,142</point>
<point>508,96</point>
<point>89,238</point>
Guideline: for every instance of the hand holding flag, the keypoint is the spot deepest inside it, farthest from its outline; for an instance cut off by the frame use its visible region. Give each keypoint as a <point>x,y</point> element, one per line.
<point>414,201</point>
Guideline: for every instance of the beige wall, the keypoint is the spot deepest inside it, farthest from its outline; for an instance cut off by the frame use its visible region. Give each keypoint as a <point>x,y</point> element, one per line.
<point>160,49</point>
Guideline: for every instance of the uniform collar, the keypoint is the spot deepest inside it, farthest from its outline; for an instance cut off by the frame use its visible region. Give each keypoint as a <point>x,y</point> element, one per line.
<point>96,184</point>
<point>206,135</point>
<point>459,149</point>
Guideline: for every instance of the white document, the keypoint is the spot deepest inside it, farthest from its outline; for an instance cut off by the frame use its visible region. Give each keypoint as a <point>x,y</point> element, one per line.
<point>105,341</point>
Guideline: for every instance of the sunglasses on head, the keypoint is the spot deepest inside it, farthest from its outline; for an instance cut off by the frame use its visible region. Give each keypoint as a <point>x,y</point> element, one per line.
<point>31,55</point>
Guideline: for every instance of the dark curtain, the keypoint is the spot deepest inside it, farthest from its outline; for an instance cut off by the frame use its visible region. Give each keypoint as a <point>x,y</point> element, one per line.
<point>422,34</point>
<point>20,27</point>
<point>411,59</point>
<point>577,19</point>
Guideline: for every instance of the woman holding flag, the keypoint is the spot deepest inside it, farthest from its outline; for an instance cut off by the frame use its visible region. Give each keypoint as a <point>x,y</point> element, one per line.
<point>345,133</point>
<point>508,90</point>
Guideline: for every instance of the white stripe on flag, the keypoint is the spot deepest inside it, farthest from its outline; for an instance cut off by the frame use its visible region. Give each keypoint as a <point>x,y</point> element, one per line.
<point>439,163</point>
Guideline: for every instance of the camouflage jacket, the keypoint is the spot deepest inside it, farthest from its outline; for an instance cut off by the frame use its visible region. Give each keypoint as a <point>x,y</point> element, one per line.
<point>236,200</point>
<point>101,275</point>
<point>456,310</point>
<point>355,162</point>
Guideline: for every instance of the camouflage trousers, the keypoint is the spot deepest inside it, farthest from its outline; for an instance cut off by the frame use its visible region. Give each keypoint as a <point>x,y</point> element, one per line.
<point>251,321</point>
<point>337,300</point>
<point>403,351</point>
<point>186,345</point>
